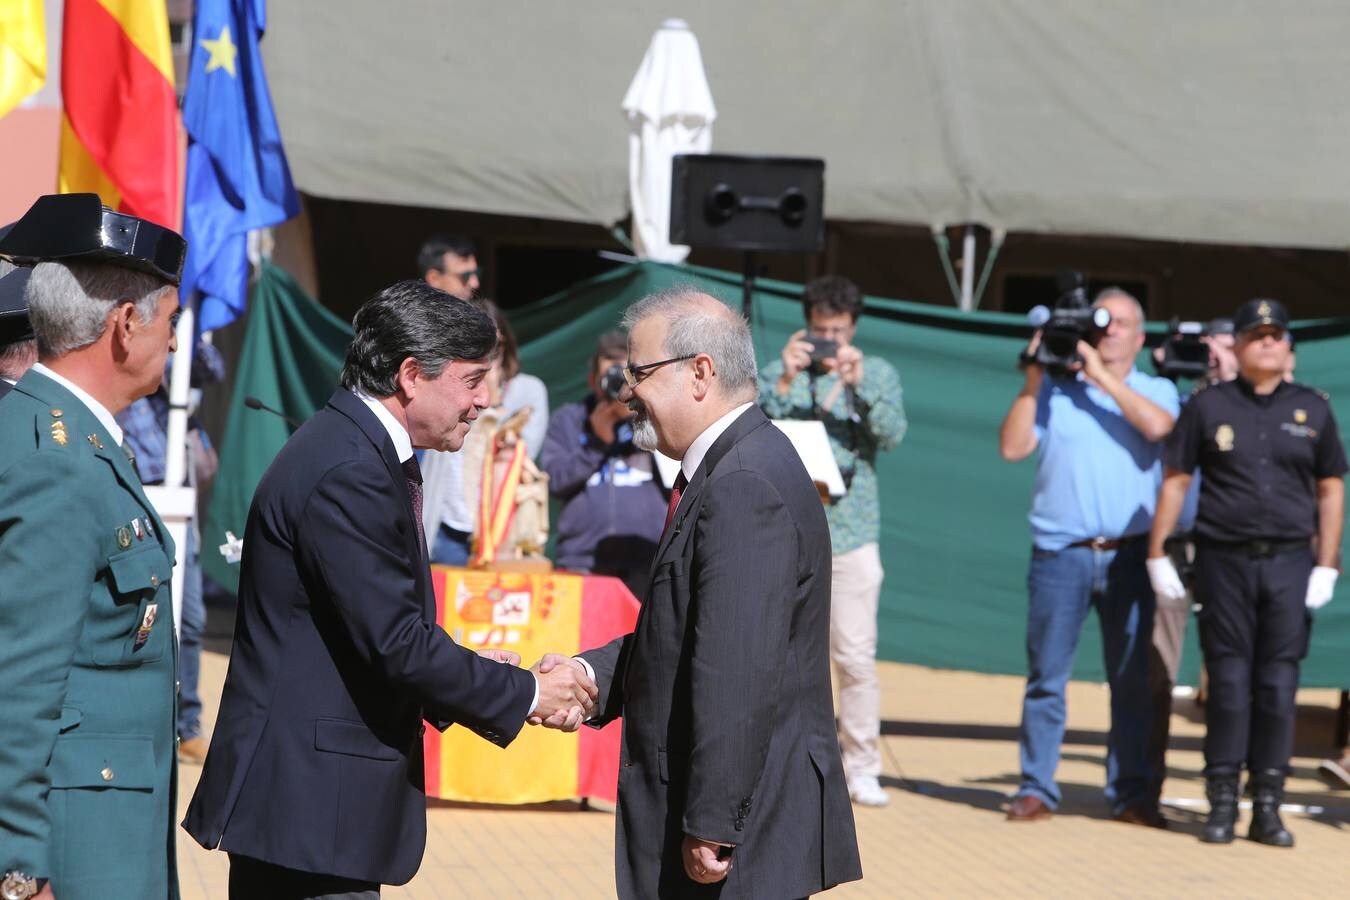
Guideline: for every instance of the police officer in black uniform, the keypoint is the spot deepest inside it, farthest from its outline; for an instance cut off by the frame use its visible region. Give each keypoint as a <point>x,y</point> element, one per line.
<point>1267,534</point>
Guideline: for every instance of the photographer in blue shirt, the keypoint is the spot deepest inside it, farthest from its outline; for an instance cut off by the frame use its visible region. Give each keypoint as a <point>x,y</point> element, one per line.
<point>1098,431</point>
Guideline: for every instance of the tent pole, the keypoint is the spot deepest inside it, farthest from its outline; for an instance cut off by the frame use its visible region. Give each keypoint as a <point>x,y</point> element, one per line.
<point>995,245</point>
<point>968,270</point>
<point>944,249</point>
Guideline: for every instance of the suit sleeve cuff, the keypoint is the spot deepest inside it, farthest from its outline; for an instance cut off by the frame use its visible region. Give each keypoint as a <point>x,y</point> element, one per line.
<point>590,673</point>
<point>534,704</point>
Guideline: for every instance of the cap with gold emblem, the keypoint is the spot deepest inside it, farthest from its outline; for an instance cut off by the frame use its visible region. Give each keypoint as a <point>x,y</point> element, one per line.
<point>1255,313</point>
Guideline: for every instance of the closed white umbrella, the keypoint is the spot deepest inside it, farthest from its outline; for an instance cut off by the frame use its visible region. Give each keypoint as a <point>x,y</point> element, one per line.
<point>670,110</point>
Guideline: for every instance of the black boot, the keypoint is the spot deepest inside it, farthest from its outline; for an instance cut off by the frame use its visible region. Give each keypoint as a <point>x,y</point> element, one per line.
<point>1222,791</point>
<point>1267,794</point>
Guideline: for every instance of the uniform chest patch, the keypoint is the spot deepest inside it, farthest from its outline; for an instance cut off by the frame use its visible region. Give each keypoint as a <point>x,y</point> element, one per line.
<point>1224,437</point>
<point>1298,431</point>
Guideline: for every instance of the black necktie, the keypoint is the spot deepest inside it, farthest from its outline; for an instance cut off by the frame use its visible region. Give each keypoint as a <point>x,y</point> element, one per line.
<point>676,491</point>
<point>413,473</point>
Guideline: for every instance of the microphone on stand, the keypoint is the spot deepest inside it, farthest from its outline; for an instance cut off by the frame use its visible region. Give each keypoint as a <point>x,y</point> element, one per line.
<point>255,403</point>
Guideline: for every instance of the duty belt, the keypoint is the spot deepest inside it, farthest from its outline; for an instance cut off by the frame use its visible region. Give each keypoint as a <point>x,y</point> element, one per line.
<point>1256,549</point>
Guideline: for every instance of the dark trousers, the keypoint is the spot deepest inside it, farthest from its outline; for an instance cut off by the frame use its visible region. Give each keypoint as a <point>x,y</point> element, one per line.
<point>1254,632</point>
<point>252,879</point>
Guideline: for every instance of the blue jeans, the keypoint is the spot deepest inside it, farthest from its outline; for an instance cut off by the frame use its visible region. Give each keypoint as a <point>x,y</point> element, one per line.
<point>190,642</point>
<point>451,547</point>
<point>1062,586</point>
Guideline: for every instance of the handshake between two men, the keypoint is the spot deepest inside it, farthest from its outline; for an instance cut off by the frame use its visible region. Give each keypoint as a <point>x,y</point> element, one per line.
<point>567,692</point>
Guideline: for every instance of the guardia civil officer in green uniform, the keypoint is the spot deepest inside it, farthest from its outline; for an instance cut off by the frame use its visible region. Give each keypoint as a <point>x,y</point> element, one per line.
<point>1267,535</point>
<point>87,650</point>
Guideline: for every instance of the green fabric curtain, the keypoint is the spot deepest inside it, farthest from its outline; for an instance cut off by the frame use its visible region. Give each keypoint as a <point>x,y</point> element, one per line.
<point>955,540</point>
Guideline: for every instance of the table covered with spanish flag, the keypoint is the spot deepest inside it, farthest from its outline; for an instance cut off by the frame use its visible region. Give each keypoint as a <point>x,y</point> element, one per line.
<point>532,614</point>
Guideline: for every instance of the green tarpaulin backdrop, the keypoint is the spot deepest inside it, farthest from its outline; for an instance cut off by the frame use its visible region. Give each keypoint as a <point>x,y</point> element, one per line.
<point>955,540</point>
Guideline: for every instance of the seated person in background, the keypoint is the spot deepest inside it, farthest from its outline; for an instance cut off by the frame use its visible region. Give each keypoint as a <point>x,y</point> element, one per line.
<point>448,516</point>
<point>613,503</point>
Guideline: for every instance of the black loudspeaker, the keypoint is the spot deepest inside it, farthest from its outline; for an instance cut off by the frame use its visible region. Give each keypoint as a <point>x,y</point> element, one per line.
<point>751,203</point>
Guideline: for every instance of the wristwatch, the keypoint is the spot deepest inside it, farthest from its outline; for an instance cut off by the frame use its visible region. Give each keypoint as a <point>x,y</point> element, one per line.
<point>18,886</point>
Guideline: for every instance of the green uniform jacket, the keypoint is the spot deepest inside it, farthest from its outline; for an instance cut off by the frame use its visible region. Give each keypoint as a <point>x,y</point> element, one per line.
<point>87,657</point>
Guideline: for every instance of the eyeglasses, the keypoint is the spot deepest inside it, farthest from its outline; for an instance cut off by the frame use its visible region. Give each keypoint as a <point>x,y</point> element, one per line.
<point>465,276</point>
<point>634,374</point>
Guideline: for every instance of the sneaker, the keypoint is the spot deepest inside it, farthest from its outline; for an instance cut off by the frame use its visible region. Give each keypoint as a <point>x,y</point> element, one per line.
<point>866,791</point>
<point>192,750</point>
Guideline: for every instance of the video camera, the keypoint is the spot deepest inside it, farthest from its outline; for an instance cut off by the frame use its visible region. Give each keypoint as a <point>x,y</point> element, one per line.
<point>1070,320</point>
<point>1185,353</point>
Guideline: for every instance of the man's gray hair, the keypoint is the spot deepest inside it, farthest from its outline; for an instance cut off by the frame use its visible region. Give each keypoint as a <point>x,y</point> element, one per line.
<point>69,302</point>
<point>1108,292</point>
<point>693,328</point>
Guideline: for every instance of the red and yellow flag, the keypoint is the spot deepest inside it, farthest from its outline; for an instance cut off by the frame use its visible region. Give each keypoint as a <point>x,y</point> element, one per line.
<point>119,131</point>
<point>532,615</point>
<point>23,51</point>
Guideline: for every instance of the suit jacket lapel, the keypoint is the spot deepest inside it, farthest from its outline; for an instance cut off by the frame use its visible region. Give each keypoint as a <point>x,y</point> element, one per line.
<point>744,424</point>
<point>351,406</point>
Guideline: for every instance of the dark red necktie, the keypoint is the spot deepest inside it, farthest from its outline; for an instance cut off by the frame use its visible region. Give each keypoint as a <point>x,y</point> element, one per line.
<point>413,473</point>
<point>675,491</point>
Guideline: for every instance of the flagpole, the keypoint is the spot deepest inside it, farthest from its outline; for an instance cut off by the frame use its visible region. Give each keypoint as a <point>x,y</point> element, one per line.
<point>175,501</point>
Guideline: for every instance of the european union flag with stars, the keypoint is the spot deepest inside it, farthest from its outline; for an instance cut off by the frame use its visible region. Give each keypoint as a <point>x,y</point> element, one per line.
<point>237,177</point>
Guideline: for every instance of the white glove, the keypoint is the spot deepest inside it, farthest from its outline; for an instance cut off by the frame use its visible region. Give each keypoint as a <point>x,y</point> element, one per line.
<point>1165,580</point>
<point>1321,584</point>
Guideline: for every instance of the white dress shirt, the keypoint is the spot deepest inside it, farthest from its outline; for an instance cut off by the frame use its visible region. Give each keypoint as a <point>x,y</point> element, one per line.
<point>100,411</point>
<point>397,433</point>
<point>693,457</point>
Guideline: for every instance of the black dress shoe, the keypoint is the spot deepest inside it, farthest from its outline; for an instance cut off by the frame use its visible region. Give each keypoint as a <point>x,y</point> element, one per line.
<point>1147,815</point>
<point>1026,808</point>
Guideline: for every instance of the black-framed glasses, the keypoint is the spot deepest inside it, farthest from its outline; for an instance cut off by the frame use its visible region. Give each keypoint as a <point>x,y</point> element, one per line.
<point>465,276</point>
<point>634,374</point>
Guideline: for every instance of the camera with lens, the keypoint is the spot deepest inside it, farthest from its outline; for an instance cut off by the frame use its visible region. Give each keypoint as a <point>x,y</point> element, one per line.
<point>1185,353</point>
<point>1070,320</point>
<point>612,382</point>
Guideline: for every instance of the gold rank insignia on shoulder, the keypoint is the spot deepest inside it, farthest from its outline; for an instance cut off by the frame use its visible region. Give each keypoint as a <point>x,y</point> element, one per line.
<point>1300,416</point>
<point>59,431</point>
<point>94,439</point>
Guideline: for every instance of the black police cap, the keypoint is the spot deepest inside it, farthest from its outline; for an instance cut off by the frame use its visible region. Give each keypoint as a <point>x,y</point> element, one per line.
<point>79,226</point>
<point>1255,313</point>
<point>14,324</point>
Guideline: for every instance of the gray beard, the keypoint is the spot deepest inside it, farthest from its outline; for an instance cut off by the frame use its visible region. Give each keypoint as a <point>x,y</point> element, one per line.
<point>644,434</point>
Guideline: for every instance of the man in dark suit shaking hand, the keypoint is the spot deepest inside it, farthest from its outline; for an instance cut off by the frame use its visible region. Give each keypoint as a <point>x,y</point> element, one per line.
<point>314,779</point>
<point>730,780</point>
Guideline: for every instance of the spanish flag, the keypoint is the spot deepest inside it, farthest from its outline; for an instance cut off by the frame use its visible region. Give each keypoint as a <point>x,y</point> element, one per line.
<point>23,51</point>
<point>119,131</point>
<point>532,614</point>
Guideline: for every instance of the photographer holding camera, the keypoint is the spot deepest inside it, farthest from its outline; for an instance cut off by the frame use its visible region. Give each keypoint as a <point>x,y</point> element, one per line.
<point>822,375</point>
<point>1098,428</point>
<point>613,504</point>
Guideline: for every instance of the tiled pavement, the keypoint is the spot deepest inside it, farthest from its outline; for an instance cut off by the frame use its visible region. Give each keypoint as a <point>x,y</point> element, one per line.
<point>951,758</point>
